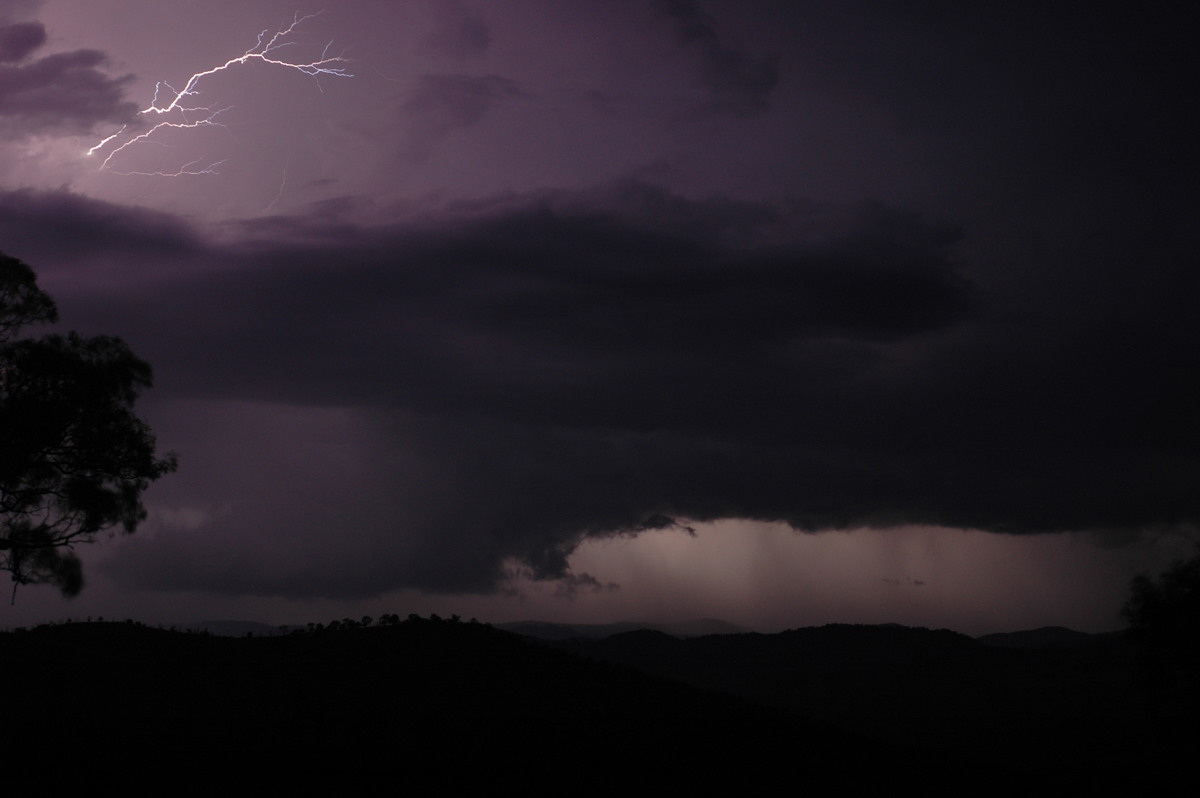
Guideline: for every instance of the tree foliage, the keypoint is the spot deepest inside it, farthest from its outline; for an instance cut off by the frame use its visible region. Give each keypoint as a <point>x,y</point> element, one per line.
<point>1165,612</point>
<point>74,457</point>
<point>1164,619</point>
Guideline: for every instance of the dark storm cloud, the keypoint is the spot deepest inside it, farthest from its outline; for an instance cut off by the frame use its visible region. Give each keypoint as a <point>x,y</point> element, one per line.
<point>737,83</point>
<point>59,227</point>
<point>20,40</point>
<point>62,92</point>
<point>534,370</point>
<point>457,33</point>
<point>546,309</point>
<point>440,104</point>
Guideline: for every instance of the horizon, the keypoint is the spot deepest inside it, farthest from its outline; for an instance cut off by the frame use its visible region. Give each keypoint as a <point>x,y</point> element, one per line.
<point>973,618</point>
<point>671,628</point>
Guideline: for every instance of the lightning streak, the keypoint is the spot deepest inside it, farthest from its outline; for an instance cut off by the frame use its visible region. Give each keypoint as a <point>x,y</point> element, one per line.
<point>107,139</point>
<point>205,122</point>
<point>265,50</point>
<point>186,169</point>
<point>282,185</point>
<point>325,65</point>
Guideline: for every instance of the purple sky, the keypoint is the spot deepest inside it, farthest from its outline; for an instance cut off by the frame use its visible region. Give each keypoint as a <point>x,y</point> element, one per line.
<point>487,326</point>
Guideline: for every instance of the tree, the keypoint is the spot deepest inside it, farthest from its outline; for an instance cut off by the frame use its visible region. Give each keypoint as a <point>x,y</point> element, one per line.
<point>1164,619</point>
<point>1167,610</point>
<point>74,458</point>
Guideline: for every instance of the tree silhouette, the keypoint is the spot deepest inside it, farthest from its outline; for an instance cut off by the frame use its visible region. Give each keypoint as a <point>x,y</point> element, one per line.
<point>1164,619</point>
<point>74,458</point>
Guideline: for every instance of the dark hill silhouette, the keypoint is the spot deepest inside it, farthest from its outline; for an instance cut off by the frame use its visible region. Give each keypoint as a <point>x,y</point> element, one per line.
<point>451,702</point>
<point>565,631</point>
<point>1068,713</point>
<point>837,709</point>
<point>1048,637</point>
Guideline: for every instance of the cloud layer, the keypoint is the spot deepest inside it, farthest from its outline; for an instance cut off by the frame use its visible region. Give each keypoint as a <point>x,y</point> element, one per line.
<point>61,93</point>
<point>737,83</point>
<point>524,372</point>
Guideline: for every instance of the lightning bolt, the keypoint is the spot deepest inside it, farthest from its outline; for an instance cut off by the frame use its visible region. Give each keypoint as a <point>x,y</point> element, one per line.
<point>282,185</point>
<point>186,169</point>
<point>107,139</point>
<point>265,50</point>
<point>141,137</point>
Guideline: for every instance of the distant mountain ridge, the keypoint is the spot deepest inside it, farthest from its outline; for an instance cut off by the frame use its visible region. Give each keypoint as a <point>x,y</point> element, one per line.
<point>544,630</point>
<point>1040,698</point>
<point>1042,637</point>
<point>1045,637</point>
<point>918,704</point>
<point>235,628</point>
<point>450,702</point>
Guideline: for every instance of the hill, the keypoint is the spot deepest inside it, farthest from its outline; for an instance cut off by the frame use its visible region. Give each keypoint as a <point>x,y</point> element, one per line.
<point>836,709</point>
<point>457,702</point>
<point>1054,706</point>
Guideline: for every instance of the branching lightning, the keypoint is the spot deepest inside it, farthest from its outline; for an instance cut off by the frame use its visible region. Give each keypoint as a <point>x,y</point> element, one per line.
<point>265,50</point>
<point>142,137</point>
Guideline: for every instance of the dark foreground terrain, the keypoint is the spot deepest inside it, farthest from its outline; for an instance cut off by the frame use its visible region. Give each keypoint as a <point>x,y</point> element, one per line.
<point>441,703</point>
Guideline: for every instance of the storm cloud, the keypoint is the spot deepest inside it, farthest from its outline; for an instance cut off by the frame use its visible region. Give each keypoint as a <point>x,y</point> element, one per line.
<point>63,92</point>
<point>440,104</point>
<point>20,40</point>
<point>529,371</point>
<point>457,33</point>
<point>737,83</point>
